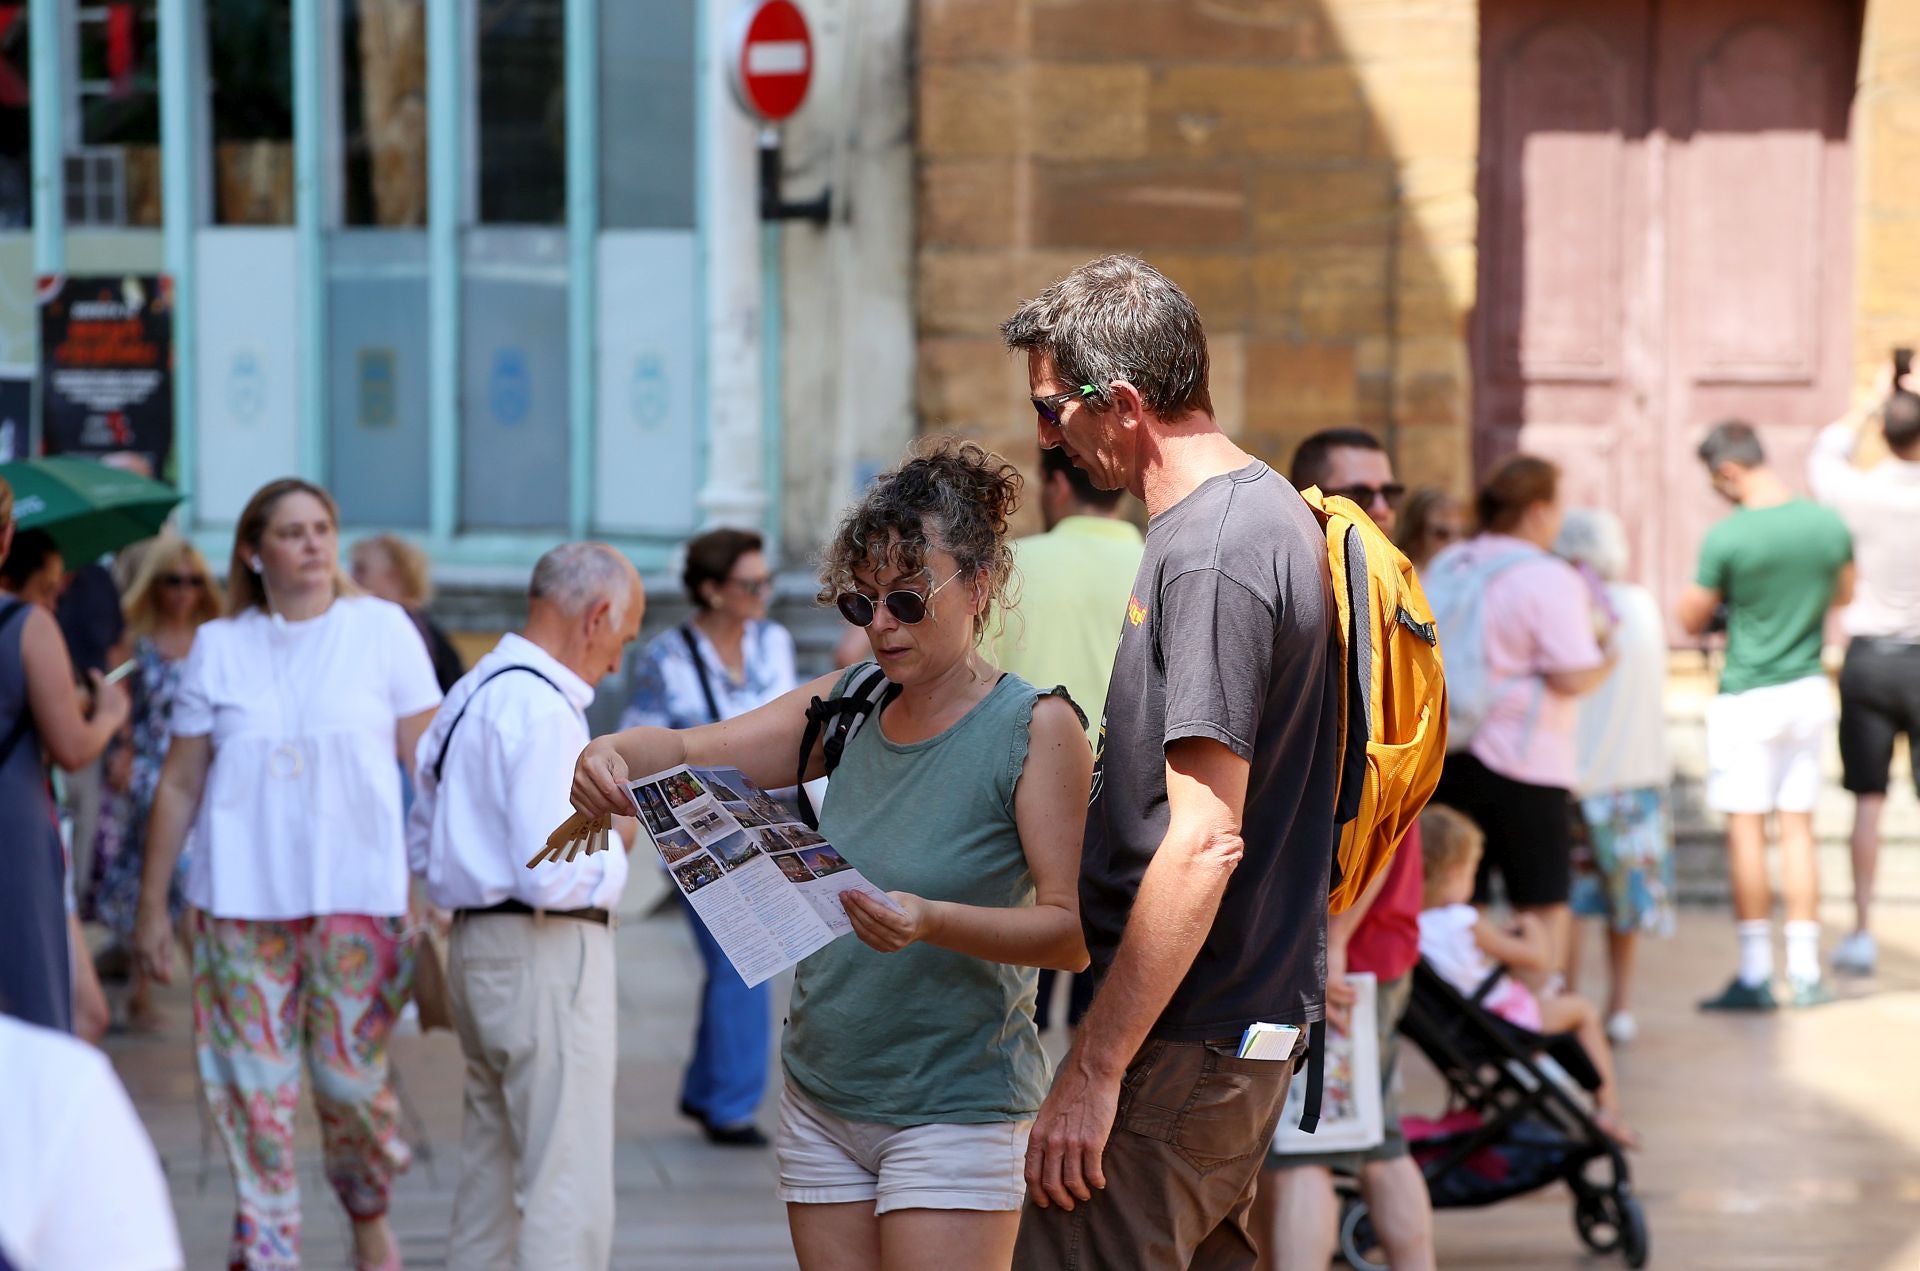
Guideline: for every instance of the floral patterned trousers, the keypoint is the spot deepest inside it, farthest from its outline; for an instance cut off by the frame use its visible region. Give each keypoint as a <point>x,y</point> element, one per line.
<point>270,998</point>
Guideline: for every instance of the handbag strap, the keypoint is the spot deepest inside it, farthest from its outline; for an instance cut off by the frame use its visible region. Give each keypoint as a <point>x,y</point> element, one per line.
<point>24,724</point>
<point>440,760</point>
<point>700,669</point>
<point>870,691</point>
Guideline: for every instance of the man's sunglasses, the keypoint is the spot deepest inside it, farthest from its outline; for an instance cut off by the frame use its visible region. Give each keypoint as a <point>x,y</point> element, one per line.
<point>1364,495</point>
<point>1048,407</point>
<point>909,607</point>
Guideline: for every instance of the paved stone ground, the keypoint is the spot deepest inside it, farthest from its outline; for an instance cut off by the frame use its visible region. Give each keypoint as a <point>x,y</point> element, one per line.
<point>1785,1142</point>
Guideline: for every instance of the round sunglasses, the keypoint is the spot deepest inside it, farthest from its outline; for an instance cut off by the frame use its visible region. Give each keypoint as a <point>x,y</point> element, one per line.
<point>909,607</point>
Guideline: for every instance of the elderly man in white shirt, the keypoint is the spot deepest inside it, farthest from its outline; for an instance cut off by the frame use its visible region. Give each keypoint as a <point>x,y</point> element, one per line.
<point>531,963</point>
<point>1880,680</point>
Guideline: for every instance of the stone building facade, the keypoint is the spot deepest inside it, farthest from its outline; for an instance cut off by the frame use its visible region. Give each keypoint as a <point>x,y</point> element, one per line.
<point>1317,172</point>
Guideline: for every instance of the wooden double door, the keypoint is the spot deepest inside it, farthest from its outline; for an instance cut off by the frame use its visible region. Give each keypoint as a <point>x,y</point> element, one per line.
<point>1665,241</point>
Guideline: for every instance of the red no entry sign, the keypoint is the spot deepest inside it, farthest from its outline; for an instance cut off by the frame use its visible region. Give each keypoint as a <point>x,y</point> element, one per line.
<point>772,59</point>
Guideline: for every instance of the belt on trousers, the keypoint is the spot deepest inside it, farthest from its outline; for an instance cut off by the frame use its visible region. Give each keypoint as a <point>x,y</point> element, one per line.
<point>1887,644</point>
<point>600,916</point>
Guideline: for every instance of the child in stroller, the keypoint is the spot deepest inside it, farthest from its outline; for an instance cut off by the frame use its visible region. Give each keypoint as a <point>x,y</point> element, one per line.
<point>1476,957</point>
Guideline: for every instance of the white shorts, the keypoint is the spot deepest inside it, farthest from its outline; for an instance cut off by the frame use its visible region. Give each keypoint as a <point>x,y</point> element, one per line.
<point>1764,746</point>
<point>829,1160</point>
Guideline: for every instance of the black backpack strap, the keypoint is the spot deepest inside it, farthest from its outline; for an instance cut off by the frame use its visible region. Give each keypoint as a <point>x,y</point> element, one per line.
<point>700,669</point>
<point>1316,1076</point>
<point>23,725</point>
<point>868,692</point>
<point>440,760</point>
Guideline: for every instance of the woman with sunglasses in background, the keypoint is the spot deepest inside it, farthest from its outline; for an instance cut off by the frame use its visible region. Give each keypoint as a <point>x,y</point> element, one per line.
<point>913,1066</point>
<point>172,594</point>
<point>723,661</point>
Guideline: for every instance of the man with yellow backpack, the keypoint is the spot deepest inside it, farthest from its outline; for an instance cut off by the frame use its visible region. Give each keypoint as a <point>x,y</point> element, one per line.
<point>1266,731</point>
<point>1298,1212</point>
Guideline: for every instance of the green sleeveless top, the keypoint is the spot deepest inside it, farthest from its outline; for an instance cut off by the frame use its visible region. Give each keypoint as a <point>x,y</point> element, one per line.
<point>925,1035</point>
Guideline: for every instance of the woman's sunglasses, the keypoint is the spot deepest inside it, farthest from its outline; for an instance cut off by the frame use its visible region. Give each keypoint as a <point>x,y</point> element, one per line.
<point>1048,407</point>
<point>909,607</point>
<point>182,580</point>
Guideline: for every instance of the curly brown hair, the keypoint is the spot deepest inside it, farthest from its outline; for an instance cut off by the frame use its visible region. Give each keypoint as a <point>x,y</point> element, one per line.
<point>950,495</point>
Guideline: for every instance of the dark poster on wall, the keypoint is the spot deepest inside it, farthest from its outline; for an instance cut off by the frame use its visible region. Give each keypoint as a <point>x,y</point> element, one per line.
<point>106,367</point>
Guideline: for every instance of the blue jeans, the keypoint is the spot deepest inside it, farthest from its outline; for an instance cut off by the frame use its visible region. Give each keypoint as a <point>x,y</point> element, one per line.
<point>727,1075</point>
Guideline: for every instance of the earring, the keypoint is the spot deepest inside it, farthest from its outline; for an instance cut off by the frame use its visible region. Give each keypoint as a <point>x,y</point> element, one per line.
<point>257,568</point>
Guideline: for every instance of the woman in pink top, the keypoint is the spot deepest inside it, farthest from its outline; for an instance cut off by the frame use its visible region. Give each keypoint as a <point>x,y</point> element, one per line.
<point>1542,645</point>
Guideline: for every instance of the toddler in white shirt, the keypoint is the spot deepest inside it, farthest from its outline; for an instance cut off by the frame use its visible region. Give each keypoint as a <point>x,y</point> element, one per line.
<point>1465,948</point>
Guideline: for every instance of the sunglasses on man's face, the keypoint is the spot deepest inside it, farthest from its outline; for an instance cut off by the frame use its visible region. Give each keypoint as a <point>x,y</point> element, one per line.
<point>1391,493</point>
<point>1048,407</point>
<point>909,607</point>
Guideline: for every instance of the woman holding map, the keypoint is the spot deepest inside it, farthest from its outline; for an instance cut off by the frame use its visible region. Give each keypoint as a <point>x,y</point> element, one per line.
<point>904,1119</point>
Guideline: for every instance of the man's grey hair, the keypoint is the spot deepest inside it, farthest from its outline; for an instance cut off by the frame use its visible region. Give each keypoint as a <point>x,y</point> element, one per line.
<point>1732,441</point>
<point>574,576</point>
<point>1595,538</point>
<point>1119,318</point>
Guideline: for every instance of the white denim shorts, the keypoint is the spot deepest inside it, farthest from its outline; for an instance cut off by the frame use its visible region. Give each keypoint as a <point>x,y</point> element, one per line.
<point>829,1160</point>
<point>1764,746</point>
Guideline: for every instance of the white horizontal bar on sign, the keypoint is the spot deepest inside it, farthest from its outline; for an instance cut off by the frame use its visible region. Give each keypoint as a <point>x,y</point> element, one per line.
<point>777,57</point>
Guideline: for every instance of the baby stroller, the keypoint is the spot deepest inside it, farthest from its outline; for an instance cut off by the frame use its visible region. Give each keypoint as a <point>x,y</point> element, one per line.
<point>1510,1126</point>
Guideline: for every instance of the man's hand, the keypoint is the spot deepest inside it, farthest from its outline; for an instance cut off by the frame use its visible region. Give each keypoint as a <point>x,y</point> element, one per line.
<point>1340,994</point>
<point>1070,1136</point>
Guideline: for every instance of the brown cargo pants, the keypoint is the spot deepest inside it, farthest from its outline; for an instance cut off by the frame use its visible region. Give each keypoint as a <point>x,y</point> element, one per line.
<point>1188,1140</point>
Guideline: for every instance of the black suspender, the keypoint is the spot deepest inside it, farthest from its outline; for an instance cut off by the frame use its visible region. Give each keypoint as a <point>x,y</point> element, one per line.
<point>440,760</point>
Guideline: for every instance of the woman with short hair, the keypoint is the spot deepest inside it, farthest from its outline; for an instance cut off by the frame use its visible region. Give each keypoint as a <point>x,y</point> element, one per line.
<point>1623,769</point>
<point>723,661</point>
<point>913,1066</point>
<point>288,719</point>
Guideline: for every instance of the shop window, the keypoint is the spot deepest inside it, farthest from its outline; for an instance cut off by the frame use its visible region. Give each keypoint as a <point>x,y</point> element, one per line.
<point>522,96</point>
<point>250,55</point>
<point>383,112</point>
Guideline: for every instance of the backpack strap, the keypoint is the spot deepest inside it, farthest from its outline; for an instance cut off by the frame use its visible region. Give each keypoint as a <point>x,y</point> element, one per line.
<point>23,725</point>
<point>440,760</point>
<point>700,669</point>
<point>840,716</point>
<point>1316,1076</point>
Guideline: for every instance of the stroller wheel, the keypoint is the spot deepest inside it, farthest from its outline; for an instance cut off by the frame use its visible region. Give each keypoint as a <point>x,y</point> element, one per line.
<point>1357,1239</point>
<point>1611,1221</point>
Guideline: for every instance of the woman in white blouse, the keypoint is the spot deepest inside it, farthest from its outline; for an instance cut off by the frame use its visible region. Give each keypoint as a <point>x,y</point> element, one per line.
<point>290,713</point>
<point>724,661</point>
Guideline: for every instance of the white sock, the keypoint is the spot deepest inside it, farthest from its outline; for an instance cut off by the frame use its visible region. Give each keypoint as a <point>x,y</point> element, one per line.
<point>1756,951</point>
<point>1803,952</point>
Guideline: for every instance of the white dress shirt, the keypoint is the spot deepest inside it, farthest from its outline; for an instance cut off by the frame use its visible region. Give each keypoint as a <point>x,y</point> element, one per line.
<point>504,789</point>
<point>301,811</point>
<point>1880,505</point>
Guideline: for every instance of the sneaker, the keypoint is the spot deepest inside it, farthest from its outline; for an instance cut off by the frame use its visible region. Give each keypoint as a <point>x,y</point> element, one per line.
<point>1741,997</point>
<point>1805,993</point>
<point>1622,1028</point>
<point>1857,954</point>
<point>747,1135</point>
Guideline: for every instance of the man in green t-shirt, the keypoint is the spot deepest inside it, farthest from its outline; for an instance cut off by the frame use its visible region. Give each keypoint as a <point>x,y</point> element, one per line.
<point>1778,563</point>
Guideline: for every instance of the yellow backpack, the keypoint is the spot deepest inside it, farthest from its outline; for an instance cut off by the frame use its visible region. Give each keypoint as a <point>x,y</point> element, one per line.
<point>1393,695</point>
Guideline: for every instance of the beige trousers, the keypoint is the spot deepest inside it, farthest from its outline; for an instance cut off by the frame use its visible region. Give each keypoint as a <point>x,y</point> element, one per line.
<point>534,1005</point>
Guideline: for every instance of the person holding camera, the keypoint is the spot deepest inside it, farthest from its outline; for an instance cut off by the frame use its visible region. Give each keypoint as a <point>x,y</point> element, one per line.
<point>1880,680</point>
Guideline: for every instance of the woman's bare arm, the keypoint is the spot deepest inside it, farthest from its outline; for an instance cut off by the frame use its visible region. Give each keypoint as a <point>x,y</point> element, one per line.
<point>764,744</point>
<point>176,801</point>
<point>73,740</point>
<point>407,734</point>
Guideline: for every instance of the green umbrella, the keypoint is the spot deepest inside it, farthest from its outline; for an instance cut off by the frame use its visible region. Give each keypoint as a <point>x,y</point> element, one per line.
<point>89,507</point>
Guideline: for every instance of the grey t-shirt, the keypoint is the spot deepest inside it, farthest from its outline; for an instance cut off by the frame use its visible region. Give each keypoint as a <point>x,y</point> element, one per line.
<point>1228,635</point>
